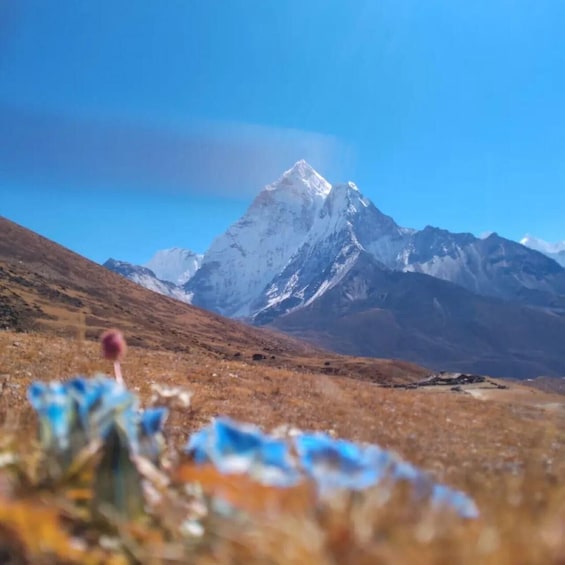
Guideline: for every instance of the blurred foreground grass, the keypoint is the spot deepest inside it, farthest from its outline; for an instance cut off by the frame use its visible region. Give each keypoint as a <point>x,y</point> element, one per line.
<point>509,455</point>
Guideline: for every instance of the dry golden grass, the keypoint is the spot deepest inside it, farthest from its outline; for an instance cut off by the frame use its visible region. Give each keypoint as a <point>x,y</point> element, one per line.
<point>508,452</point>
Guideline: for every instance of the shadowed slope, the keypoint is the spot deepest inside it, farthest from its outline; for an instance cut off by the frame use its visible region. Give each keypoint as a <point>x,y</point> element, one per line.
<point>375,311</point>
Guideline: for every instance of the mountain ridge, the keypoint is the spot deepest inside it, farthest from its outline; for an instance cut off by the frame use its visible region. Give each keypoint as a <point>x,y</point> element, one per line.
<point>555,251</point>
<point>48,289</point>
<point>419,318</point>
<point>147,278</point>
<point>301,236</point>
<point>238,264</point>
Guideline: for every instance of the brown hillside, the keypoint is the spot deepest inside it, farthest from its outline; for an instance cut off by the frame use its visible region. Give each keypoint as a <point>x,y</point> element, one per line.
<point>501,446</point>
<point>47,288</point>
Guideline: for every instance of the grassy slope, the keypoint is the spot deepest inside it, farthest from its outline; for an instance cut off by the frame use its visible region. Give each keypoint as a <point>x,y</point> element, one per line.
<point>47,288</point>
<point>508,450</point>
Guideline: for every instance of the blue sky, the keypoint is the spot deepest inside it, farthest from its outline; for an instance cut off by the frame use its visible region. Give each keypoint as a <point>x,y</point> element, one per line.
<point>126,127</point>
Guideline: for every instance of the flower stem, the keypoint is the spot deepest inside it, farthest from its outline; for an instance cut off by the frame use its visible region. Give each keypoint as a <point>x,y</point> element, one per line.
<point>118,372</point>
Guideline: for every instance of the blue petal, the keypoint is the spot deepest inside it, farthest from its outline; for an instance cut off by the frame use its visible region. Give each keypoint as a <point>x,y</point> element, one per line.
<point>458,501</point>
<point>198,445</point>
<point>35,394</point>
<point>319,450</point>
<point>152,420</point>
<point>87,394</point>
<point>55,411</point>
<point>117,405</point>
<point>331,464</point>
<point>231,438</point>
<point>405,472</point>
<point>242,448</point>
<point>275,453</point>
<point>58,415</point>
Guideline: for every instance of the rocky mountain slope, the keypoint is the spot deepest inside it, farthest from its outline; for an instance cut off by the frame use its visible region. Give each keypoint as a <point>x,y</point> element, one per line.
<point>299,235</point>
<point>298,243</point>
<point>377,311</point>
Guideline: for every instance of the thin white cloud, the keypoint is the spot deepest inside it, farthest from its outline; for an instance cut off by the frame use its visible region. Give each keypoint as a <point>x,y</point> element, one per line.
<point>226,159</point>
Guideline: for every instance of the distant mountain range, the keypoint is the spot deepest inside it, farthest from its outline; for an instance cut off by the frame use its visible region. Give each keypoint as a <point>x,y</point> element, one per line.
<point>148,279</point>
<point>164,273</point>
<point>323,263</point>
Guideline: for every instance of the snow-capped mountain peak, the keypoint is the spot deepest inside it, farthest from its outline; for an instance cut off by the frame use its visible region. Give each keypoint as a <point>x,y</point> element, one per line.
<point>302,178</point>
<point>325,256</point>
<point>301,218</point>
<point>175,265</point>
<point>242,261</point>
<point>146,278</point>
<point>345,199</point>
<point>347,227</point>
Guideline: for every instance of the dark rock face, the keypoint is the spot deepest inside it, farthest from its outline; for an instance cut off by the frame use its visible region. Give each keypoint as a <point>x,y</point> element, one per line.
<point>258,357</point>
<point>493,266</point>
<point>382,313</point>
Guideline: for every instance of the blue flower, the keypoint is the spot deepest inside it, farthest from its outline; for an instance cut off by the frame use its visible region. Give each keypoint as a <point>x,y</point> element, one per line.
<point>242,448</point>
<point>339,464</point>
<point>152,420</point>
<point>56,413</point>
<point>152,442</point>
<point>80,410</point>
<point>76,412</point>
<point>333,465</point>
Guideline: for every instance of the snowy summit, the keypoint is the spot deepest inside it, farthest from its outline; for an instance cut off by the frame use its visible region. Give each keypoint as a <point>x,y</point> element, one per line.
<point>302,177</point>
<point>244,260</point>
<point>175,265</point>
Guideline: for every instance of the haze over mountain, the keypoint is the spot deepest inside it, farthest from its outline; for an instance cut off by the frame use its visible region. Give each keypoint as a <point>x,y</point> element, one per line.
<point>304,242</point>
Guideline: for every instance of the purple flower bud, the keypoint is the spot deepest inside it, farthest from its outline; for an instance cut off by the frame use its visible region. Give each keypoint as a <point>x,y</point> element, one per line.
<point>113,345</point>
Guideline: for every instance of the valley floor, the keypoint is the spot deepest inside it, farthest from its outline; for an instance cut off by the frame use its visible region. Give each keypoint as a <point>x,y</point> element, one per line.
<point>506,448</point>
